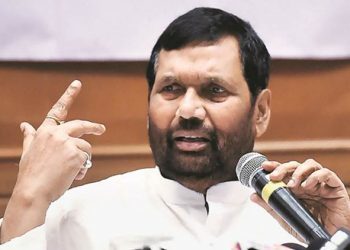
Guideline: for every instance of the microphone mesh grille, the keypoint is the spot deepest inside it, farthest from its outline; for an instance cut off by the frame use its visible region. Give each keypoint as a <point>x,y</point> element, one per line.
<point>247,165</point>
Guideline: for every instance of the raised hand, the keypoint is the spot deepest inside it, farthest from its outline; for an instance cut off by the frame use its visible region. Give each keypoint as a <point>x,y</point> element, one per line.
<point>320,189</point>
<point>53,156</point>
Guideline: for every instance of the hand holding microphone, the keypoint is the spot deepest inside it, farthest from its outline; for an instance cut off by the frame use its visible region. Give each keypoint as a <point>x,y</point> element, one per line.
<point>319,189</point>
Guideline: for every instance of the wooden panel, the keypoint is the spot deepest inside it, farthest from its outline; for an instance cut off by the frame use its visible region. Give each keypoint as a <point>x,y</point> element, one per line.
<point>113,93</point>
<point>311,100</point>
<point>3,203</point>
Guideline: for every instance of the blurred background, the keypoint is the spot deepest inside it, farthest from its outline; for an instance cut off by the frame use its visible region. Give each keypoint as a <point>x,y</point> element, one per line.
<point>45,44</point>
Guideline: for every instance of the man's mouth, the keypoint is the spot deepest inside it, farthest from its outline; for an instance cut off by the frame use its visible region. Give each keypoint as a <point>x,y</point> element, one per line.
<point>191,143</point>
<point>191,139</point>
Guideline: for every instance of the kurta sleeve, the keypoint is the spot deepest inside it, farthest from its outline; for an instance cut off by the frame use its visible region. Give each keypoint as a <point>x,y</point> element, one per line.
<point>34,239</point>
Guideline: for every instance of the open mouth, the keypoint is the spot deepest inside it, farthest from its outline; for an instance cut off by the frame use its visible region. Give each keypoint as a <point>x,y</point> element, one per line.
<point>191,139</point>
<point>191,143</point>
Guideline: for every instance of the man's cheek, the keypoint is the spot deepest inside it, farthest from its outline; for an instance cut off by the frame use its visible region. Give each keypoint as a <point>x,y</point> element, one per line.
<point>217,140</point>
<point>162,121</point>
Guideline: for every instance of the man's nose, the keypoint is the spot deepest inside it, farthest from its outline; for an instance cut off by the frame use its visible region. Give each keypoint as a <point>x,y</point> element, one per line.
<point>191,106</point>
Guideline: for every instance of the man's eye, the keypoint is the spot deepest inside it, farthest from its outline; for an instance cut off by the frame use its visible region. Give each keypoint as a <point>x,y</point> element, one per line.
<point>168,88</point>
<point>216,93</point>
<point>171,88</point>
<point>217,90</point>
<point>171,91</point>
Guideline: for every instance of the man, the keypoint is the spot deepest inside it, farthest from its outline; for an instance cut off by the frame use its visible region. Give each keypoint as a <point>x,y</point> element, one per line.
<point>208,101</point>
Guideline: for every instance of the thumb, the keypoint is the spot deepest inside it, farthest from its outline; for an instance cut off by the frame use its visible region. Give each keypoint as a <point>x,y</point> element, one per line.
<point>258,200</point>
<point>28,135</point>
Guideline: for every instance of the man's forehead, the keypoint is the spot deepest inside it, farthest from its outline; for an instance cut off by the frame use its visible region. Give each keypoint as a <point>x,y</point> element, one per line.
<point>210,41</point>
<point>220,59</point>
<point>226,48</point>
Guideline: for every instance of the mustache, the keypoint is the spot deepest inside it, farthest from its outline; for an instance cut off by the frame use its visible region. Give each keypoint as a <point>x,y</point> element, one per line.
<point>193,124</point>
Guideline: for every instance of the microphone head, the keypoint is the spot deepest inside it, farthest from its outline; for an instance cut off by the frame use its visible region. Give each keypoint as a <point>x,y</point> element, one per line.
<point>247,165</point>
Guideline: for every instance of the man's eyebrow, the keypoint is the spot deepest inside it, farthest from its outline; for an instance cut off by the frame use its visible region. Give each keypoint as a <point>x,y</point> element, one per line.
<point>168,79</point>
<point>217,80</point>
<point>222,82</point>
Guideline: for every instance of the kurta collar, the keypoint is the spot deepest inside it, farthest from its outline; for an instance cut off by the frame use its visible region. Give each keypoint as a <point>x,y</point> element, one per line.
<point>231,192</point>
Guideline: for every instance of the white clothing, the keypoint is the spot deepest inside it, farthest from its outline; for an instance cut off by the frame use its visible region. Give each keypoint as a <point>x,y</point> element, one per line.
<point>141,208</point>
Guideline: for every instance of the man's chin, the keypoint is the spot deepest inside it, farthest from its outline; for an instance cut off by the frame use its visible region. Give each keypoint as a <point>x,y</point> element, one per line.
<point>190,165</point>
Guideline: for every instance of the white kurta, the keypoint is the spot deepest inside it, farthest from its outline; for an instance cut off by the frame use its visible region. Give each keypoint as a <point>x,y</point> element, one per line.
<point>142,208</point>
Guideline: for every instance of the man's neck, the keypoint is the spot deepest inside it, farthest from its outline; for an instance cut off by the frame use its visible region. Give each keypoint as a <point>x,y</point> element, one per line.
<point>198,185</point>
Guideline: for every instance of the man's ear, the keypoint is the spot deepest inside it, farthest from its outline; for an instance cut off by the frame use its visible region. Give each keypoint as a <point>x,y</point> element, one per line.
<point>262,112</point>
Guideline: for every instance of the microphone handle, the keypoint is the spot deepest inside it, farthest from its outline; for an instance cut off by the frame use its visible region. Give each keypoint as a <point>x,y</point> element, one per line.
<point>296,215</point>
<point>278,196</point>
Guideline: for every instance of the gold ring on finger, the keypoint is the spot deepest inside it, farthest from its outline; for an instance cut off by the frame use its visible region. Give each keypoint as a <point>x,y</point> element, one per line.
<point>58,122</point>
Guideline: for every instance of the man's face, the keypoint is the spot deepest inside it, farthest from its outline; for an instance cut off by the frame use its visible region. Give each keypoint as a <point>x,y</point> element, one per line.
<point>200,113</point>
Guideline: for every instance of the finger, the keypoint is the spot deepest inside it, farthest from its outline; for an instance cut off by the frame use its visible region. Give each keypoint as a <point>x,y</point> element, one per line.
<point>84,157</point>
<point>322,176</point>
<point>270,165</point>
<point>332,179</point>
<point>59,111</point>
<point>302,172</point>
<point>82,145</point>
<point>284,170</point>
<point>81,174</point>
<point>28,135</point>
<point>258,200</point>
<point>78,128</point>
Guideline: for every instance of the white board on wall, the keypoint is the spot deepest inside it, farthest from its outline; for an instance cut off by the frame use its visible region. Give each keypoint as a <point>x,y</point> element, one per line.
<point>58,30</point>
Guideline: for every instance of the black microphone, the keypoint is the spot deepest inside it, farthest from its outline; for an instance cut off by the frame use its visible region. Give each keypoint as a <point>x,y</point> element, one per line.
<point>278,196</point>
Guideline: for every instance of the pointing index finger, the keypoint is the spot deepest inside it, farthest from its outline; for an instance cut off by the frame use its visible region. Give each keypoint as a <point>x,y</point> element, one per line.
<point>59,111</point>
